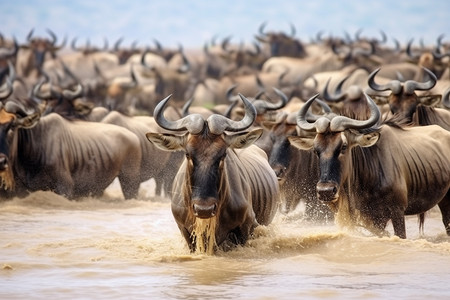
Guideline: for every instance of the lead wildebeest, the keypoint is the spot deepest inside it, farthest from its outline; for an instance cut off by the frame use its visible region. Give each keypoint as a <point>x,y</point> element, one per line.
<point>379,172</point>
<point>225,183</point>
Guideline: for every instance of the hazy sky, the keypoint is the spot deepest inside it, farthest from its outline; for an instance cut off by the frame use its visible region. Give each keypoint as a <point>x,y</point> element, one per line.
<point>192,23</point>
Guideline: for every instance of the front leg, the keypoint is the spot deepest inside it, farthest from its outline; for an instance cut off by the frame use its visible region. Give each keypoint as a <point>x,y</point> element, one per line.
<point>398,222</point>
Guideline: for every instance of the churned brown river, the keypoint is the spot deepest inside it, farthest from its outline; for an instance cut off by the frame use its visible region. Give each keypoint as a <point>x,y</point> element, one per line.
<point>109,248</point>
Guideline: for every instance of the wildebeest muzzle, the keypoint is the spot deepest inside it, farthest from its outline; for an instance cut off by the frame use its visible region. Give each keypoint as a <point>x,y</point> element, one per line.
<point>327,191</point>
<point>204,208</point>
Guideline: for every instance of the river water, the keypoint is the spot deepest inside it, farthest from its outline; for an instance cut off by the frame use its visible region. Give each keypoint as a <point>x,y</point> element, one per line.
<point>109,248</point>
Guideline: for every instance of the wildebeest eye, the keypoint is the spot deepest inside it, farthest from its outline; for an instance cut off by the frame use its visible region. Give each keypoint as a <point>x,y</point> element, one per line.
<point>344,148</point>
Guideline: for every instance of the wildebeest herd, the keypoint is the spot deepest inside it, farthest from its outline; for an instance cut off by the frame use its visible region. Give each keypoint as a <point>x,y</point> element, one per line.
<point>355,129</point>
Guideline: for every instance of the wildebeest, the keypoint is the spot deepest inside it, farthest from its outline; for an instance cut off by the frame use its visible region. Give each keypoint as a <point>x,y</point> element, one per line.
<point>71,158</point>
<point>414,108</point>
<point>379,172</point>
<point>225,183</point>
<point>281,44</point>
<point>31,56</point>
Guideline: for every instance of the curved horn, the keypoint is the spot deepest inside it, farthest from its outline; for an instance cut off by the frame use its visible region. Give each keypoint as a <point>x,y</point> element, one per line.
<point>133,83</point>
<point>341,54</point>
<point>218,124</point>
<point>446,98</point>
<point>302,119</point>
<point>193,123</point>
<point>393,85</point>
<point>293,30</point>
<point>262,106</point>
<point>53,35</point>
<point>16,108</point>
<point>383,37</point>
<point>30,35</point>
<point>186,67</point>
<point>438,55</point>
<point>229,92</point>
<point>409,51</point>
<point>224,44</point>
<point>6,89</point>
<point>117,44</point>
<point>158,45</point>
<point>261,28</point>
<point>411,85</point>
<point>12,71</point>
<point>257,50</point>
<point>337,95</point>
<point>73,44</point>
<point>36,92</point>
<point>319,37</point>
<point>71,95</point>
<point>358,34</point>
<point>340,123</point>
<point>437,51</point>
<point>144,63</point>
<point>325,108</point>
<point>397,47</point>
<point>365,52</point>
<point>230,108</point>
<point>54,39</point>
<point>185,109</point>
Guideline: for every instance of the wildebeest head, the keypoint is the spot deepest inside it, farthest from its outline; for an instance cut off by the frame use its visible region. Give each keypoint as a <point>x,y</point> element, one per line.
<point>403,100</point>
<point>206,145</point>
<point>40,47</point>
<point>351,102</point>
<point>13,115</point>
<point>66,102</point>
<point>280,43</point>
<point>335,137</point>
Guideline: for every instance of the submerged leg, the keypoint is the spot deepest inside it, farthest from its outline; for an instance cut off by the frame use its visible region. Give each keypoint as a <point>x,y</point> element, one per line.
<point>444,206</point>
<point>398,222</point>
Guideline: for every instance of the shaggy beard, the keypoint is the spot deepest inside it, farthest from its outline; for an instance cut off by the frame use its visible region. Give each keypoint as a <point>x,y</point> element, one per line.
<point>204,235</point>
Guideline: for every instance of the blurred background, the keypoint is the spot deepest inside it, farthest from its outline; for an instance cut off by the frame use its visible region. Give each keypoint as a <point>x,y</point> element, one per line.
<point>191,23</point>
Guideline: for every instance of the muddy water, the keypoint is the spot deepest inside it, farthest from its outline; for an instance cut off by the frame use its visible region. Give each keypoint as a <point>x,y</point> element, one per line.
<point>109,248</point>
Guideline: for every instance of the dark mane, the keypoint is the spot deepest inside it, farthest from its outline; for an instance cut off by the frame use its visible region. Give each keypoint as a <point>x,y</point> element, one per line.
<point>425,115</point>
<point>396,121</point>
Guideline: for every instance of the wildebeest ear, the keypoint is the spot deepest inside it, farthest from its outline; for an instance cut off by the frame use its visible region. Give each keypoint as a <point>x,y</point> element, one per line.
<point>365,140</point>
<point>430,100</point>
<point>302,143</point>
<point>243,139</point>
<point>167,142</point>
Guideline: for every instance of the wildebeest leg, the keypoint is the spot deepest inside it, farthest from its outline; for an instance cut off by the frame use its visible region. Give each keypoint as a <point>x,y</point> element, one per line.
<point>234,237</point>
<point>444,206</point>
<point>129,186</point>
<point>398,222</point>
<point>64,185</point>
